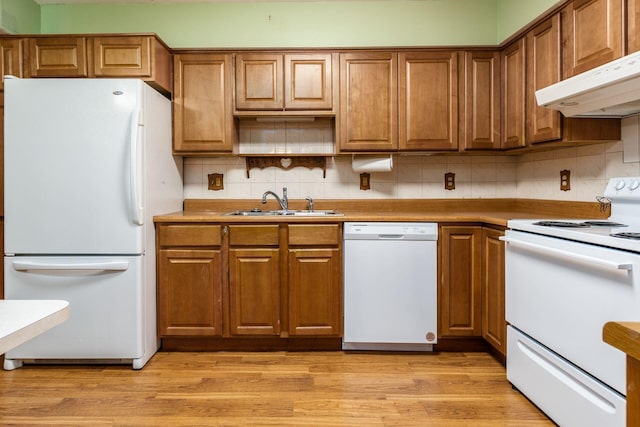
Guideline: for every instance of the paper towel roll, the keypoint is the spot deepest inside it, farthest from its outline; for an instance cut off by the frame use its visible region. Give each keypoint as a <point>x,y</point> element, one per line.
<point>372,163</point>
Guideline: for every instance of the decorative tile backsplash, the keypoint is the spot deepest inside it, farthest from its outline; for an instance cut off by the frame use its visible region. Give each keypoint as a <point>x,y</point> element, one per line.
<point>534,175</point>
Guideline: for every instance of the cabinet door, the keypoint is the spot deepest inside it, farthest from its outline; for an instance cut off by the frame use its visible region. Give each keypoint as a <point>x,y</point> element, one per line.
<point>308,81</point>
<point>58,57</point>
<point>494,326</point>
<point>189,293</point>
<point>202,104</point>
<point>544,68</point>
<point>428,102</point>
<point>459,310</point>
<point>254,291</point>
<point>259,79</point>
<point>633,26</point>
<point>315,292</point>
<point>11,51</point>
<point>593,34</point>
<point>513,95</point>
<point>368,102</point>
<point>481,119</point>
<point>122,56</point>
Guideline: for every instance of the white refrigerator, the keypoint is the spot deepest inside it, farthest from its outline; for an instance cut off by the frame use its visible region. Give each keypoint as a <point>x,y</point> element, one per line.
<point>88,163</point>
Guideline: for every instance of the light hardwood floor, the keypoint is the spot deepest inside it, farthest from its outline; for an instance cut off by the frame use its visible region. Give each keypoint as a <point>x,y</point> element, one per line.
<point>270,389</point>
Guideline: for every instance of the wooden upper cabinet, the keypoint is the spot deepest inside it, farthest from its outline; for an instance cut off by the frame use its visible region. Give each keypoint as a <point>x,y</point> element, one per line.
<point>11,51</point>
<point>58,57</point>
<point>308,81</point>
<point>132,56</point>
<point>202,104</point>
<point>368,119</point>
<point>513,95</point>
<point>480,122</point>
<point>593,34</point>
<point>428,100</point>
<point>544,68</point>
<point>272,81</point>
<point>633,26</point>
<point>259,79</point>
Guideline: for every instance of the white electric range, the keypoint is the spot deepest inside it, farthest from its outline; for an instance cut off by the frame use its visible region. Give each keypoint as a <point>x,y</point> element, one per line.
<point>564,280</point>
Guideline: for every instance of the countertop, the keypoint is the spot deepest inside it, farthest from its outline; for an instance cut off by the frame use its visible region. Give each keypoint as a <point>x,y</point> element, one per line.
<point>624,336</point>
<point>486,211</point>
<point>21,320</point>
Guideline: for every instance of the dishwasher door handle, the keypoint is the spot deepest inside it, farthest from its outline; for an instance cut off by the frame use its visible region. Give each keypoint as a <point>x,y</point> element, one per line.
<point>390,236</point>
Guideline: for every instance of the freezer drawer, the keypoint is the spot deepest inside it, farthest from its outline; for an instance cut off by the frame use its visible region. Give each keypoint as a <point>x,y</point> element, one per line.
<point>105,305</point>
<point>546,379</point>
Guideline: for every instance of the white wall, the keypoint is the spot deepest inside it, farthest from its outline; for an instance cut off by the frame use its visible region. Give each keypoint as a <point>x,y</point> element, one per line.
<point>535,175</point>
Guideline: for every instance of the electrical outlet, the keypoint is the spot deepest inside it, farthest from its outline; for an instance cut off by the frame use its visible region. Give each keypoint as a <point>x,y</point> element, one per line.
<point>216,181</point>
<point>449,181</point>
<point>565,180</point>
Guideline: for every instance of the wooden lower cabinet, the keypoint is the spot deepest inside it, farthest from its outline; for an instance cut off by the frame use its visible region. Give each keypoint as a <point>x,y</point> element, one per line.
<point>315,292</point>
<point>494,325</point>
<point>189,293</point>
<point>459,288</point>
<point>254,291</point>
<point>230,282</point>
<point>471,293</point>
<point>189,280</point>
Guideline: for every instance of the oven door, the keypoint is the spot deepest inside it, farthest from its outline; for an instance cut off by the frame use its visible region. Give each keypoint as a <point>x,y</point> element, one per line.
<point>561,293</point>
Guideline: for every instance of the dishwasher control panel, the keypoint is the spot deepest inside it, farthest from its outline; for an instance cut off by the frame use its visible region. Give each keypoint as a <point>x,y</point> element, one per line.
<point>390,231</point>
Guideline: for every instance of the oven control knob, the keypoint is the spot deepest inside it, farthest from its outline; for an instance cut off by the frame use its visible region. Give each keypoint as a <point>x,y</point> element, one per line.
<point>634,184</point>
<point>620,185</point>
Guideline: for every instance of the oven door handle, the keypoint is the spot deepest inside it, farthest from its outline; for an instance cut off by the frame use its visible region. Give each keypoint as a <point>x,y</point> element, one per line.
<point>601,262</point>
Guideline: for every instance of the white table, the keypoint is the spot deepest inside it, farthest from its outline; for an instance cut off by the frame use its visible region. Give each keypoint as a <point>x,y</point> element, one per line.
<point>21,320</point>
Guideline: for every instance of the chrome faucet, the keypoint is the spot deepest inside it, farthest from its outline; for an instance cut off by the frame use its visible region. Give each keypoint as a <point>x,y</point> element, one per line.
<point>284,202</point>
<point>310,201</point>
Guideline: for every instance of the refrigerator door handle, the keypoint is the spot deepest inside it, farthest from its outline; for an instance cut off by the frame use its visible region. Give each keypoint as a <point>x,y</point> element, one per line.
<point>136,205</point>
<point>88,266</point>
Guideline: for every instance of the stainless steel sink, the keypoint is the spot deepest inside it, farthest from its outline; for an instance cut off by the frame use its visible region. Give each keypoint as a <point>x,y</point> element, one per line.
<point>257,212</point>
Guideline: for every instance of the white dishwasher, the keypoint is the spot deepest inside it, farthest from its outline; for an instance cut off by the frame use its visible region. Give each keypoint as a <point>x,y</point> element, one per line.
<point>390,286</point>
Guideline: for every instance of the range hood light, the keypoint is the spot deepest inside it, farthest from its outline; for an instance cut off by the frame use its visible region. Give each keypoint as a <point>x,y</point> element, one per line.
<point>278,119</point>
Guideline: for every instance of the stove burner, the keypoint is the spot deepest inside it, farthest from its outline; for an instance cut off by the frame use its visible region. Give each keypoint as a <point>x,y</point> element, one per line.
<point>566,224</point>
<point>632,236</point>
<point>604,224</point>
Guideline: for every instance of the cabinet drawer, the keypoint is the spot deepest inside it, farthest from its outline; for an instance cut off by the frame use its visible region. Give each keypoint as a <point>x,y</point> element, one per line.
<point>189,235</point>
<point>314,234</point>
<point>253,235</point>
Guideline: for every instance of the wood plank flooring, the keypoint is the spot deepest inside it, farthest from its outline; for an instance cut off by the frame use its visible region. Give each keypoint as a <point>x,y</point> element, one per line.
<point>270,389</point>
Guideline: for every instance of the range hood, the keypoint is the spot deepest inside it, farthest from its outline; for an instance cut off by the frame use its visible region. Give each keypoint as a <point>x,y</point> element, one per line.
<point>611,90</point>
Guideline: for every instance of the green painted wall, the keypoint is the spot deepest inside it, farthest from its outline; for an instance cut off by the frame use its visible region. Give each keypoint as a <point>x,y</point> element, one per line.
<point>515,14</point>
<point>20,16</point>
<point>288,24</point>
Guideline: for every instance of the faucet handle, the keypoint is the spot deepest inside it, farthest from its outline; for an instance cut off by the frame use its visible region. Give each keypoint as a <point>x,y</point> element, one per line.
<point>310,200</point>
